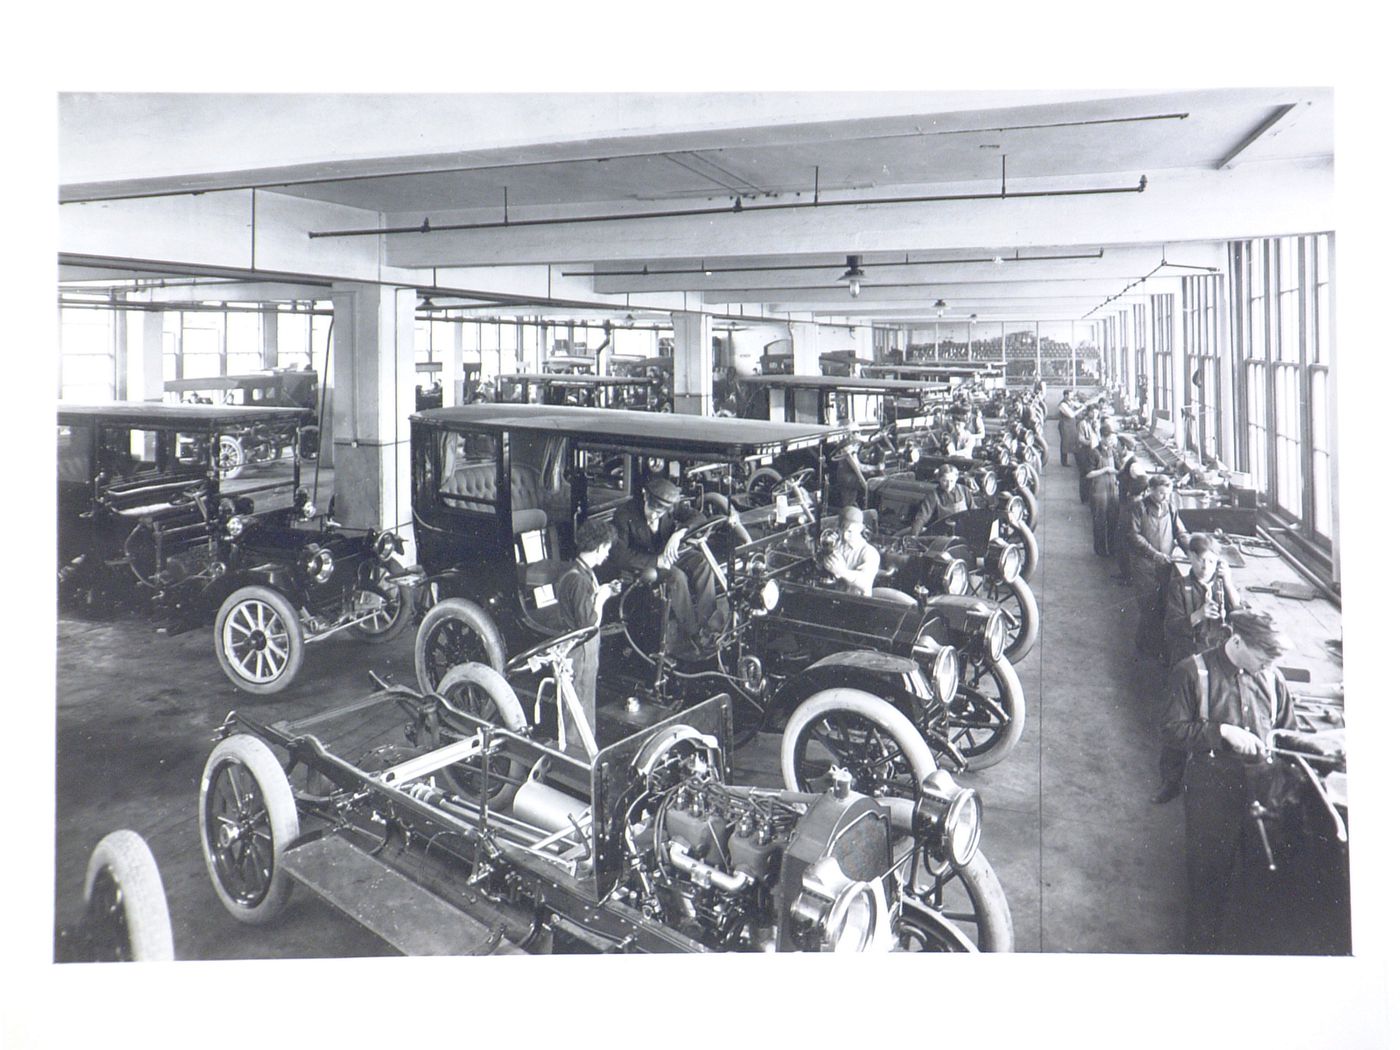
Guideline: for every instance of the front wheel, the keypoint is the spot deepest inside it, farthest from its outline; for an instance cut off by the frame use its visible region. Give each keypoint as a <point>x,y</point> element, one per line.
<point>1020,534</point>
<point>948,909</point>
<point>455,631</point>
<point>988,713</point>
<point>127,914</point>
<point>246,818</point>
<point>258,640</point>
<point>860,733</point>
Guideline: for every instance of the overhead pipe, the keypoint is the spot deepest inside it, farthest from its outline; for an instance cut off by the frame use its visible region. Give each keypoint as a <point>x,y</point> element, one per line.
<point>738,207</point>
<point>646,272</point>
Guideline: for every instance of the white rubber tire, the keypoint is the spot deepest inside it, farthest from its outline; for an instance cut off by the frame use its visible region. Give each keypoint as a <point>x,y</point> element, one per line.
<point>128,859</point>
<point>282,822</point>
<point>225,631</point>
<point>507,711</point>
<point>867,706</point>
<point>474,617</point>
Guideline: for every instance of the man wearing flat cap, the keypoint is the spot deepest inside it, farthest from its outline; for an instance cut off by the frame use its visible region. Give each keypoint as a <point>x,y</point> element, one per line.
<point>1221,706</point>
<point>1154,531</point>
<point>854,562</point>
<point>649,534</point>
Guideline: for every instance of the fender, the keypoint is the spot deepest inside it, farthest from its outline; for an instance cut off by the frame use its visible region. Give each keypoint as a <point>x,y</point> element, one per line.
<point>885,675</point>
<point>278,577</point>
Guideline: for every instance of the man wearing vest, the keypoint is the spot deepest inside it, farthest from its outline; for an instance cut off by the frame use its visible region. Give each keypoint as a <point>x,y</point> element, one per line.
<point>1154,531</point>
<point>1221,706</point>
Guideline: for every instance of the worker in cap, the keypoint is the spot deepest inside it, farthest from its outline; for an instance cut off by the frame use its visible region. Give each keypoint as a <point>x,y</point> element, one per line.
<point>853,562</point>
<point>947,497</point>
<point>1154,532</point>
<point>649,534</point>
<point>850,484</point>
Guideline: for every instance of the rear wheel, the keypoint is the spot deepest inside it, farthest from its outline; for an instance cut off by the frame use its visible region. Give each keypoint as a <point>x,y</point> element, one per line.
<point>856,731</point>
<point>127,914</point>
<point>258,640</point>
<point>988,713</point>
<point>1019,533</point>
<point>231,457</point>
<point>455,631</point>
<point>481,691</point>
<point>762,484</point>
<point>246,819</point>
<point>390,615</point>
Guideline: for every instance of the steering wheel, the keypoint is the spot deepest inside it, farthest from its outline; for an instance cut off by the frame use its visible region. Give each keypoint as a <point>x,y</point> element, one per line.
<point>699,534</point>
<point>544,651</point>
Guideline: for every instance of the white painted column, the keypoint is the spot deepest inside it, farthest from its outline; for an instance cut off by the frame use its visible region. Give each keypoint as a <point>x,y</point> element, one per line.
<point>145,379</point>
<point>451,373</point>
<point>694,364</point>
<point>374,382</point>
<point>268,315</point>
<point>806,361</point>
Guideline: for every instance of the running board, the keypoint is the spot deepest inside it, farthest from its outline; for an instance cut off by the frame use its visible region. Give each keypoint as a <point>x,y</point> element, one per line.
<point>393,907</point>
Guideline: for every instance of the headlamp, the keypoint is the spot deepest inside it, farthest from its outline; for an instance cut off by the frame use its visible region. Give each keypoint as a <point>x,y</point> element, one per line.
<point>942,662</point>
<point>835,913</point>
<point>948,818</point>
<point>913,455</point>
<point>1015,509</point>
<point>994,636</point>
<point>233,528</point>
<point>955,577</point>
<point>1008,562</point>
<point>757,564</point>
<point>318,564</point>
<point>1023,475</point>
<point>386,545</point>
<point>768,595</point>
<point>989,483</point>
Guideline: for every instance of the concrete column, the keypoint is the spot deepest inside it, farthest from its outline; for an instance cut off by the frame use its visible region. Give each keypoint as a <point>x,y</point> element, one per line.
<point>694,364</point>
<point>120,377</point>
<point>268,315</point>
<point>374,381</point>
<point>145,379</point>
<point>451,373</point>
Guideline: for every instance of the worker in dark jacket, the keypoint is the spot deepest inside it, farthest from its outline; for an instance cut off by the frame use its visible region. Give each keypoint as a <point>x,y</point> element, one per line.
<point>581,602</point>
<point>649,536</point>
<point>947,498</point>
<point>1197,607</point>
<point>1131,484</point>
<point>1154,531</point>
<point>1221,707</point>
<point>1068,423</point>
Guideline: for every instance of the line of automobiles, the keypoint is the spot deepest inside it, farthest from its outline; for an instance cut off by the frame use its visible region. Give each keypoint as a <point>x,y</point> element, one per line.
<point>639,840</point>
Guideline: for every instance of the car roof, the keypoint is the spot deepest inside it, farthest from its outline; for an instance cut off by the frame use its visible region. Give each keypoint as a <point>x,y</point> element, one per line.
<point>654,432</point>
<point>982,368</point>
<point>155,414</point>
<point>855,384</point>
<point>565,379</point>
<point>247,381</point>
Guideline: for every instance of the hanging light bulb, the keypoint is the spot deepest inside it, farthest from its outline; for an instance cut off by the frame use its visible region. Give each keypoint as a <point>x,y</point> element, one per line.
<point>853,275</point>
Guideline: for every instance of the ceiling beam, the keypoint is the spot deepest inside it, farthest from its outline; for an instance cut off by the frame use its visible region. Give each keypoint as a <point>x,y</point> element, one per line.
<point>1282,118</point>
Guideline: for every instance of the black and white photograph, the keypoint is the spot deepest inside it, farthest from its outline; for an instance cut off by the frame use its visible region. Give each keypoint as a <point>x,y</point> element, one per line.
<point>816,520</point>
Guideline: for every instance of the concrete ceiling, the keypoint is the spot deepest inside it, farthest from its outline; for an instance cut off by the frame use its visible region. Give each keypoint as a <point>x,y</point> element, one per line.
<point>613,156</point>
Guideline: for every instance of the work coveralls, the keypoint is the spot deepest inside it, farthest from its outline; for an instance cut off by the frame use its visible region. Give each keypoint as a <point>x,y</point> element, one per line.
<point>1152,534</point>
<point>575,591</point>
<point>1087,435</point>
<point>1103,497</point>
<point>1069,433</point>
<point>1223,854</point>
<point>690,582</point>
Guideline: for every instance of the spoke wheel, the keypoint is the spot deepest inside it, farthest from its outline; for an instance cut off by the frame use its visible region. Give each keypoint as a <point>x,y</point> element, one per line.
<point>762,484</point>
<point>391,615</point>
<point>231,458</point>
<point>988,713</point>
<point>246,819</point>
<point>947,909</point>
<point>1018,605</point>
<point>127,918</point>
<point>482,692</point>
<point>455,631</point>
<point>859,732</point>
<point>259,640</point>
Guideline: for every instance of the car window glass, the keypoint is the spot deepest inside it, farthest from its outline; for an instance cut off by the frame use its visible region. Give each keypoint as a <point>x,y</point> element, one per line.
<point>128,452</point>
<point>468,470</point>
<point>74,448</point>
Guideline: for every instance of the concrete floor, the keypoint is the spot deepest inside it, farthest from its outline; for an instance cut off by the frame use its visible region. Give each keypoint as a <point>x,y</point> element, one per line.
<point>1088,864</point>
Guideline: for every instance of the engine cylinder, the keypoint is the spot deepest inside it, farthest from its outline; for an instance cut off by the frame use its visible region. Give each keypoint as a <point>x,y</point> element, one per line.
<point>548,808</point>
